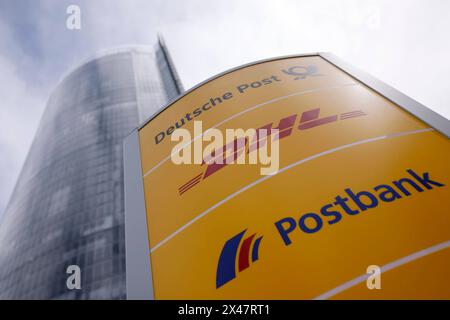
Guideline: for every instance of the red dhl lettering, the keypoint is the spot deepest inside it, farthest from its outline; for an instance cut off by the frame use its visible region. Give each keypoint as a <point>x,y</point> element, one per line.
<point>230,152</point>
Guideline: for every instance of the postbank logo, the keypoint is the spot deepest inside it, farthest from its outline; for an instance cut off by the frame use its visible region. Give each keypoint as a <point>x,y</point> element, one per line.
<point>248,250</point>
<point>237,253</point>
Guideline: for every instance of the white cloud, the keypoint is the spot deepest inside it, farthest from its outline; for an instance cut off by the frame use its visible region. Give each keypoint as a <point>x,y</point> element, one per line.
<point>21,105</point>
<point>21,108</point>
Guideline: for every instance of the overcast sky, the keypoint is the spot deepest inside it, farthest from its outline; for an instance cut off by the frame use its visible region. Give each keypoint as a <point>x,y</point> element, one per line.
<point>404,43</point>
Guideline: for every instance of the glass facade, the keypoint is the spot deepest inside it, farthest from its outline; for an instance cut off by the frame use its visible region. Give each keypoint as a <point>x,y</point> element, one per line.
<point>68,204</point>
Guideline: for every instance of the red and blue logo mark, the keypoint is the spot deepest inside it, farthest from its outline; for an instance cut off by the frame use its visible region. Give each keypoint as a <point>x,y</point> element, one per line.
<point>226,268</point>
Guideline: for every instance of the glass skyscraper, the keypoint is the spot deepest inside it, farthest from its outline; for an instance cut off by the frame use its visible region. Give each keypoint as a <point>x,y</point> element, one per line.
<point>67,207</point>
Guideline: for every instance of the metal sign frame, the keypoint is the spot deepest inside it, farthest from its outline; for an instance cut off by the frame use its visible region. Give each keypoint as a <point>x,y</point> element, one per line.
<point>138,266</point>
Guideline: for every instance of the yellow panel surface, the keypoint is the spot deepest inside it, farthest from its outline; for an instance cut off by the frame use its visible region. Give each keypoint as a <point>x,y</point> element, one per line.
<point>367,141</point>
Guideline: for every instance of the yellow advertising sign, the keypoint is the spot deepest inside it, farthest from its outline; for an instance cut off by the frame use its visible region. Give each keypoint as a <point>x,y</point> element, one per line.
<point>361,189</point>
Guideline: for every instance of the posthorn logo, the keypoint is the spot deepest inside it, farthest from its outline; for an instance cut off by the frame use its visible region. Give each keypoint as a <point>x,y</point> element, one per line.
<point>301,73</point>
<point>226,268</point>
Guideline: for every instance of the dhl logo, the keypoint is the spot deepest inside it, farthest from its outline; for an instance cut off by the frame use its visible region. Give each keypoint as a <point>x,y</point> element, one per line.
<point>221,157</point>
